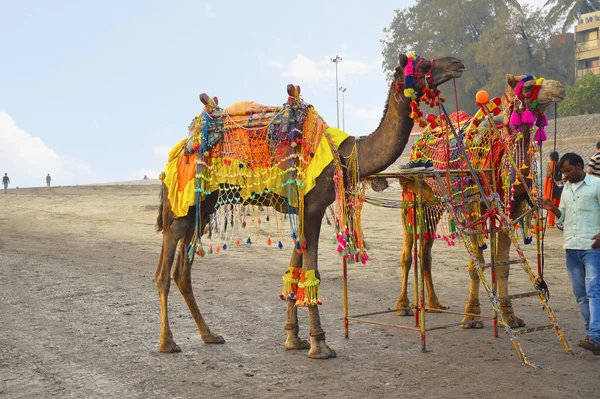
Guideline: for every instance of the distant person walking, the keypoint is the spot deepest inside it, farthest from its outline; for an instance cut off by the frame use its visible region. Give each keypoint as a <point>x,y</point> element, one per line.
<point>5,182</point>
<point>593,167</point>
<point>48,180</point>
<point>553,184</point>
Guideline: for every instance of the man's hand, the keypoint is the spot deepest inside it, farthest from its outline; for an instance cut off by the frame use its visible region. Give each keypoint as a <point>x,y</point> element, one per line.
<point>547,204</point>
<point>596,243</point>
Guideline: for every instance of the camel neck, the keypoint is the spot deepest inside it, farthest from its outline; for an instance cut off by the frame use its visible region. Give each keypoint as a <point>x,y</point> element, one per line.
<point>382,147</point>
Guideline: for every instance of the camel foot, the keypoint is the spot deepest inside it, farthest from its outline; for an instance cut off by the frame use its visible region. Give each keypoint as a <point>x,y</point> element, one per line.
<point>513,321</point>
<point>471,322</point>
<point>320,350</point>
<point>295,343</point>
<point>213,339</point>
<point>405,312</point>
<point>170,347</point>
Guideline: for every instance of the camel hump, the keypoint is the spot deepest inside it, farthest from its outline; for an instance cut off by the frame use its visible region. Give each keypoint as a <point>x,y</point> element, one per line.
<point>246,107</point>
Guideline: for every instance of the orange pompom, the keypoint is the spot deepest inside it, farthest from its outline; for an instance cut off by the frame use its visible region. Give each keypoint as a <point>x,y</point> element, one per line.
<point>482,97</point>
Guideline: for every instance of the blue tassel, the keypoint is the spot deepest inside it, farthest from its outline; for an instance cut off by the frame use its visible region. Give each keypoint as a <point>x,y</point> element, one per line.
<point>280,245</point>
<point>483,247</point>
<point>248,241</point>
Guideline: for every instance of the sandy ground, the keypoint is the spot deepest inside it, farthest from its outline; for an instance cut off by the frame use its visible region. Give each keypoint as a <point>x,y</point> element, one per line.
<point>79,314</point>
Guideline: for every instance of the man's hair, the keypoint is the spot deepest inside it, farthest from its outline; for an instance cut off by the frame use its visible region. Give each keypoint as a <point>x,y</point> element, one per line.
<point>573,159</point>
<point>554,156</point>
<point>598,145</point>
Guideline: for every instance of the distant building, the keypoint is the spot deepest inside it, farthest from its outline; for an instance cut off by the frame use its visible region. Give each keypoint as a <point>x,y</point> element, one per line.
<point>587,50</point>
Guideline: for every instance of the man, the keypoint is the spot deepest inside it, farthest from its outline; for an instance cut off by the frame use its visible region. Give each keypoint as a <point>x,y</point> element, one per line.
<point>579,214</point>
<point>593,167</point>
<point>48,180</point>
<point>5,182</point>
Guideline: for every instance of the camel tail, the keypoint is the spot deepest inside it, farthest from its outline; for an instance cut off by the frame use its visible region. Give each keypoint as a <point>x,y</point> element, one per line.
<point>159,218</point>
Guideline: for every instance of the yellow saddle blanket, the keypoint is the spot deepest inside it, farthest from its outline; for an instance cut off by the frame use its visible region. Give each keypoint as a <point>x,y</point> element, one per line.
<point>260,159</point>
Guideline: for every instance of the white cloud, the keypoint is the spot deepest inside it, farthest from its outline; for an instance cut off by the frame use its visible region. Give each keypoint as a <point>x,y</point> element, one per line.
<point>27,159</point>
<point>208,11</point>
<point>275,64</point>
<point>304,68</point>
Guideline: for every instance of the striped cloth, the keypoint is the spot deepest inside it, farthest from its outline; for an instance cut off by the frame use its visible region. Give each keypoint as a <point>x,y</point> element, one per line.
<point>595,164</point>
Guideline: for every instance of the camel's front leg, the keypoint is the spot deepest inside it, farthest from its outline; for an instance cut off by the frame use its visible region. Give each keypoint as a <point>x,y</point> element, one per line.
<point>502,273</point>
<point>293,341</point>
<point>432,299</point>
<point>182,275</point>
<point>312,227</point>
<point>163,283</point>
<point>405,263</point>
<point>473,306</point>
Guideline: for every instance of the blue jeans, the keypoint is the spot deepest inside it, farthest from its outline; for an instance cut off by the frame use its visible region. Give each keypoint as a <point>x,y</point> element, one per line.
<point>584,271</point>
<point>5,188</point>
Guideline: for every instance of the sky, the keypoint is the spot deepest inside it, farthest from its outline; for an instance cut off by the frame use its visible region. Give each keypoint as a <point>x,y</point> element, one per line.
<point>100,91</point>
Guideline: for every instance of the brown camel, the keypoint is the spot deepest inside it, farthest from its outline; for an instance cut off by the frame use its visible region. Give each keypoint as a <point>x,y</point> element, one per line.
<point>375,153</point>
<point>550,91</point>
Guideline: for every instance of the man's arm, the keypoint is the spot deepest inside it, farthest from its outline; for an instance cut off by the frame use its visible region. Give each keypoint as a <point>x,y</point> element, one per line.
<point>591,165</point>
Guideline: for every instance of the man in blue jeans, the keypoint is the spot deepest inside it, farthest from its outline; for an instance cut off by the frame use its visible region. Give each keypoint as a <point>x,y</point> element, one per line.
<point>579,215</point>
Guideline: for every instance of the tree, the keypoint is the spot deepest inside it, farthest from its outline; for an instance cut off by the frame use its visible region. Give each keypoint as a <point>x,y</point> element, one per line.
<point>491,37</point>
<point>583,97</point>
<point>570,10</point>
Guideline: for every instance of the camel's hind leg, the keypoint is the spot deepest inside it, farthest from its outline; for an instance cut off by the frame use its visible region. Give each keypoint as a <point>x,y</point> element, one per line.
<point>173,232</point>
<point>182,275</point>
<point>503,271</point>
<point>473,306</point>
<point>291,318</point>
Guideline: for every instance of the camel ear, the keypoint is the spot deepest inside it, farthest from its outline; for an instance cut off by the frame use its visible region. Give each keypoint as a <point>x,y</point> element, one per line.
<point>511,80</point>
<point>403,59</point>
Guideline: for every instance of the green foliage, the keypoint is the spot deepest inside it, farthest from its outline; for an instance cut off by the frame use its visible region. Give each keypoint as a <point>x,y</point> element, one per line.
<point>569,11</point>
<point>583,97</point>
<point>492,37</point>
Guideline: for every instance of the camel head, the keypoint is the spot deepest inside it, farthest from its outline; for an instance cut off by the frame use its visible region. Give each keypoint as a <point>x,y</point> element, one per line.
<point>534,94</point>
<point>431,73</point>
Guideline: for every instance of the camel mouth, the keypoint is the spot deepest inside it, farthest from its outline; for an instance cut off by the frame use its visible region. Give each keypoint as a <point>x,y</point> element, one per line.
<point>455,72</point>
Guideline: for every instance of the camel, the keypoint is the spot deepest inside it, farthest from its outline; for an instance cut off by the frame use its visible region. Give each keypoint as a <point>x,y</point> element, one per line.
<point>549,92</point>
<point>375,153</point>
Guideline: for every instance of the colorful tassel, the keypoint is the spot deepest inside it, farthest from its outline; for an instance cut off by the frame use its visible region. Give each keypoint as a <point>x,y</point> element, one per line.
<point>308,289</point>
<point>515,119</point>
<point>527,118</point>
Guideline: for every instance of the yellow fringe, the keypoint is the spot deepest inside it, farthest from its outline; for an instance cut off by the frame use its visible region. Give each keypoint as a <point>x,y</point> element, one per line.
<point>308,290</point>
<point>290,281</point>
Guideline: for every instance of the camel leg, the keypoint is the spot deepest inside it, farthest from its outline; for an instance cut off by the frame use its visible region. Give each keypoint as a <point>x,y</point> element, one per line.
<point>291,317</point>
<point>312,230</point>
<point>182,275</point>
<point>473,305</point>
<point>502,272</point>
<point>433,301</point>
<point>405,263</point>
<point>171,235</point>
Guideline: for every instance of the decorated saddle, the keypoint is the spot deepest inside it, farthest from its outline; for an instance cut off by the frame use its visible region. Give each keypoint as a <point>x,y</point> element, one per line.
<point>250,159</point>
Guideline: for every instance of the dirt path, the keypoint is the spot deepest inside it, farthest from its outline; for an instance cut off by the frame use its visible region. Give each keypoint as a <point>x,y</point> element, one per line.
<point>79,315</point>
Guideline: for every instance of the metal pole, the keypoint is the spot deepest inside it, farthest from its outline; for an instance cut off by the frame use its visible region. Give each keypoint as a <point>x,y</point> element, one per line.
<point>336,61</point>
<point>343,90</point>
<point>421,224</point>
<point>345,289</point>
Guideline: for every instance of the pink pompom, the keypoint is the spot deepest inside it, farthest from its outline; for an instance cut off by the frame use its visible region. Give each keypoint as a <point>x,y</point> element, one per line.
<point>540,135</point>
<point>544,120</point>
<point>527,118</point>
<point>515,119</point>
